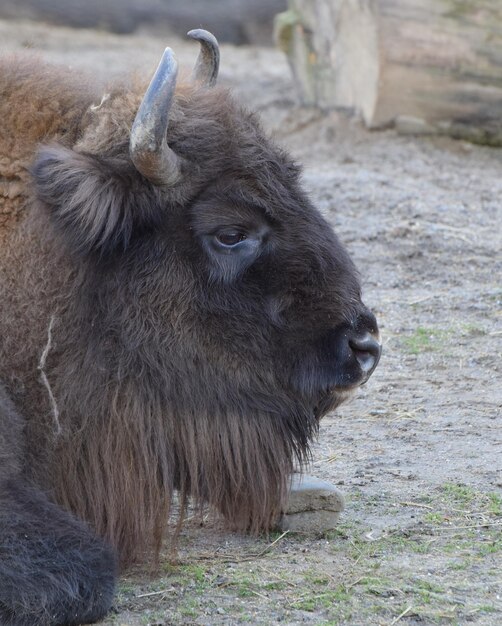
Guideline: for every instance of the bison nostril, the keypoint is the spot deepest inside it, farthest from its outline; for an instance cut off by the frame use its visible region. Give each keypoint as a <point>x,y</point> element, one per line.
<point>367,351</point>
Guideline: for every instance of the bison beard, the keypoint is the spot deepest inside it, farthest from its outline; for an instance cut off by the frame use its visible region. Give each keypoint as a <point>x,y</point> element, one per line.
<point>176,318</point>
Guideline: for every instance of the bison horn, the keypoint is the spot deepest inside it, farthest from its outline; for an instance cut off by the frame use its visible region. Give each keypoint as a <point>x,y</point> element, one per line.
<point>208,62</point>
<point>148,146</point>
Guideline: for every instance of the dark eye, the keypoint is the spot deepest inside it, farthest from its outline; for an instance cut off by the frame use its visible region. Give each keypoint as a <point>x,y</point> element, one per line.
<point>230,237</point>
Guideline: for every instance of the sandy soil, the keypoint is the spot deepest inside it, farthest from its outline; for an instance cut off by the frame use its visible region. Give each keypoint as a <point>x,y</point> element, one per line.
<point>418,451</point>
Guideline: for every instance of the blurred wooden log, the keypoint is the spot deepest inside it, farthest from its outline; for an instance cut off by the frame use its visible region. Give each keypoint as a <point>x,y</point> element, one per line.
<point>424,65</point>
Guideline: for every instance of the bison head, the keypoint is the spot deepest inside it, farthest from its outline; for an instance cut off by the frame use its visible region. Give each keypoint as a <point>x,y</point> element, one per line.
<point>213,315</point>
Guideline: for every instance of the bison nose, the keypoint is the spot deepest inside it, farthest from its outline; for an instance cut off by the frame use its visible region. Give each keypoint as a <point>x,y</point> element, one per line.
<point>366,351</point>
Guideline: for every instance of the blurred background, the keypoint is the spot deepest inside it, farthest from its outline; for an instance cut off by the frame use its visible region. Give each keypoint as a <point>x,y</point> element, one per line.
<point>235,21</point>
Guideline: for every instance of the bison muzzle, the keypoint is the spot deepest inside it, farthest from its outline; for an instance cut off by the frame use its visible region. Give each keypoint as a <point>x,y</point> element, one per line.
<point>176,318</point>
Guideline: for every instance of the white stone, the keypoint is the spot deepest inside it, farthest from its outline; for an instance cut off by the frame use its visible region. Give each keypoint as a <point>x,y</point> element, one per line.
<point>314,506</point>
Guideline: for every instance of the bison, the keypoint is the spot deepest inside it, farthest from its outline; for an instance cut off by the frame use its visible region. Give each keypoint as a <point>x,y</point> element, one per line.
<point>176,318</point>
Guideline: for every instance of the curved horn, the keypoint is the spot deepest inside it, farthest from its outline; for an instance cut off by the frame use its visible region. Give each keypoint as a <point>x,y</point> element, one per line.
<point>208,62</point>
<point>148,146</point>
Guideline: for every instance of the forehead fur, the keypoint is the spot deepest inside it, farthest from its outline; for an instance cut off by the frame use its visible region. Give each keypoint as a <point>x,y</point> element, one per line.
<point>208,130</point>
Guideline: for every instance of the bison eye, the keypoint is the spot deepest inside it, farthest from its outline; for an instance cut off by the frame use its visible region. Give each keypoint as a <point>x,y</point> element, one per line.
<point>233,248</point>
<point>230,238</point>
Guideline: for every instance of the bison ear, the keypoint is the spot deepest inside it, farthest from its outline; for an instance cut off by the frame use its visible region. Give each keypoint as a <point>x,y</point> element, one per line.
<point>97,202</point>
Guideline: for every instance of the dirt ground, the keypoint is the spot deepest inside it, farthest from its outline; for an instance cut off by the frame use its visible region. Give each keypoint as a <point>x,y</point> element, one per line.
<point>418,451</point>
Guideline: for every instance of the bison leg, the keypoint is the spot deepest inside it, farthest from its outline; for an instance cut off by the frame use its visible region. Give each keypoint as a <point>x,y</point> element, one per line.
<point>53,570</point>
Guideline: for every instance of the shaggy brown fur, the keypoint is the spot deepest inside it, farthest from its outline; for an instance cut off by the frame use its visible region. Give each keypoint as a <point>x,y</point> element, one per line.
<point>36,103</point>
<point>124,422</point>
<point>145,357</point>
